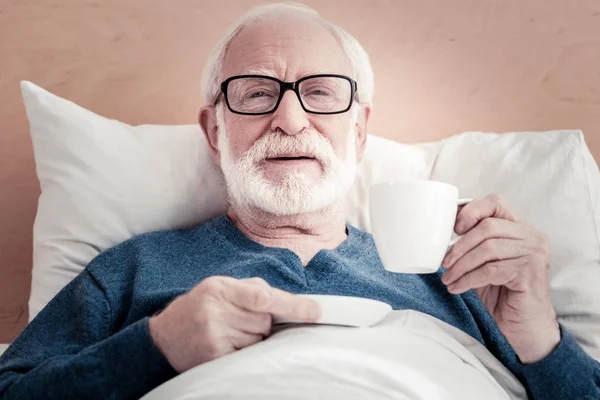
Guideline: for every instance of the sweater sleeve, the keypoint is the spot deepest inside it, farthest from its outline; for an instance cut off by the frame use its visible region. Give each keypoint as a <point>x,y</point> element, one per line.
<point>69,351</point>
<point>566,373</point>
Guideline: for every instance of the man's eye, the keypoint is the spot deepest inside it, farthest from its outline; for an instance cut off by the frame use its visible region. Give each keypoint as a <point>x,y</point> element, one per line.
<point>257,94</point>
<point>319,92</point>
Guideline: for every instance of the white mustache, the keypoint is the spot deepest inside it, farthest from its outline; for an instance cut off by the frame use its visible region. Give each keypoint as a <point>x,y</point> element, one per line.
<point>275,144</point>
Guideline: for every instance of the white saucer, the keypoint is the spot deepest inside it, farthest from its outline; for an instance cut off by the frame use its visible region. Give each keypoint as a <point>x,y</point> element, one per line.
<point>345,310</point>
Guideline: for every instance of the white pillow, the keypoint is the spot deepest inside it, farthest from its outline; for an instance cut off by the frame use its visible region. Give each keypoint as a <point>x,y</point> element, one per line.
<point>104,181</point>
<point>551,181</point>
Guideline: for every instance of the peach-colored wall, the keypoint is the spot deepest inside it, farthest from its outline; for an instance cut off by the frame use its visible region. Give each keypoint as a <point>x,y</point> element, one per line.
<point>441,67</point>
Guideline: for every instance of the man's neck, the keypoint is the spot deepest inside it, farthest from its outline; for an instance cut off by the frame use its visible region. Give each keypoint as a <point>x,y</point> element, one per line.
<point>304,234</point>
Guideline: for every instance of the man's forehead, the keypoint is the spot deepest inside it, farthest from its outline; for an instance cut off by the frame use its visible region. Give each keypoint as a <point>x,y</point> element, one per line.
<point>286,49</point>
<point>260,70</point>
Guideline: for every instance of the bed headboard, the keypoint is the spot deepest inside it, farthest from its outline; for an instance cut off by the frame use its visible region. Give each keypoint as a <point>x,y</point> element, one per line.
<point>440,68</point>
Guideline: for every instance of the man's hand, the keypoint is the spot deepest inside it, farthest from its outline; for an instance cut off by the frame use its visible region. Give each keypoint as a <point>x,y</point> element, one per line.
<point>222,315</point>
<point>507,263</point>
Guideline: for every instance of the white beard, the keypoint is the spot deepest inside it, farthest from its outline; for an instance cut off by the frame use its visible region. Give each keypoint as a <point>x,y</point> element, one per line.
<point>296,193</point>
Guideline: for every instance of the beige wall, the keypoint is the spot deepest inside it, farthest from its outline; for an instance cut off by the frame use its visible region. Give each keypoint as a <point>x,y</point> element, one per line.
<point>441,67</point>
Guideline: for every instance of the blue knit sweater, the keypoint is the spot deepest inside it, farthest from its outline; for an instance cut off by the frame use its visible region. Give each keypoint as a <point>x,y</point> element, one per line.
<point>92,339</point>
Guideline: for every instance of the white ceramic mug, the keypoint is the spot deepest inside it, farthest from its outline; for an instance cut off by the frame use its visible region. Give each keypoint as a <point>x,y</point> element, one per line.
<point>412,223</point>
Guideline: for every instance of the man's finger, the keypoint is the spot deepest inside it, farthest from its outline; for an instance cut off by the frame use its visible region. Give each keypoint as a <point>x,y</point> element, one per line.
<point>240,340</point>
<point>489,228</point>
<point>489,206</point>
<point>489,250</point>
<point>288,305</point>
<point>271,300</point>
<point>496,273</point>
<point>248,321</point>
<point>260,282</point>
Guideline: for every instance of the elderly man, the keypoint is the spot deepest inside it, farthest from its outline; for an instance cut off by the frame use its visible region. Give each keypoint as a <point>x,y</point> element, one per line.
<point>288,99</point>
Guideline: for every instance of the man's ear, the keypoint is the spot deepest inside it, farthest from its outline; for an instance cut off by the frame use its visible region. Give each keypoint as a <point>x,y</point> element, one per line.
<point>207,118</point>
<point>361,130</point>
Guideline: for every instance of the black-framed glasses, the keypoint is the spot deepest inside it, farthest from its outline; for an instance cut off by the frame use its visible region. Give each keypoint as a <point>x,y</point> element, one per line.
<point>318,94</point>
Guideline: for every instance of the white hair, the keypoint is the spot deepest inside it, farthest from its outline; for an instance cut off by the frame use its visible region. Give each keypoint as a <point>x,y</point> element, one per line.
<point>358,57</point>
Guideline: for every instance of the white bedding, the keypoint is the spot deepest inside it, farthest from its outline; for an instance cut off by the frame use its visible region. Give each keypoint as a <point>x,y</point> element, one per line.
<point>409,355</point>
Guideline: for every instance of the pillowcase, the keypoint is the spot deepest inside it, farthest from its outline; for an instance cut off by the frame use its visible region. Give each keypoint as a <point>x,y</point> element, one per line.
<point>104,181</point>
<point>551,181</point>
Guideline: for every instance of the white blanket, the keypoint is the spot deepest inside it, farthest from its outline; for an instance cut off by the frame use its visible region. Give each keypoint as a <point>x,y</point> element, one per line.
<point>407,356</point>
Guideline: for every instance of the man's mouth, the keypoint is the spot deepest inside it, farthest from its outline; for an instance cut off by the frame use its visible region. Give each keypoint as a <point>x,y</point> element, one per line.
<point>290,157</point>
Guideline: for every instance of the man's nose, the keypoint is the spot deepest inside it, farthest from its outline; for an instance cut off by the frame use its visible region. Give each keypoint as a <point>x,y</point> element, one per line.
<point>290,117</point>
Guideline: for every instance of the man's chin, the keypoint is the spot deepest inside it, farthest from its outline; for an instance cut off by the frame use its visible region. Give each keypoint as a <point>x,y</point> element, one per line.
<point>278,172</point>
<point>286,193</point>
<point>290,199</point>
<point>292,181</point>
<point>293,210</point>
